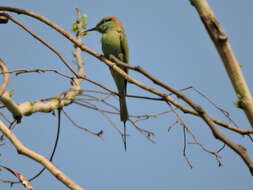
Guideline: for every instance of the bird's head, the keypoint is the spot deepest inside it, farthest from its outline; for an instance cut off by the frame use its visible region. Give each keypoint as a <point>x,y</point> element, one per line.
<point>106,24</point>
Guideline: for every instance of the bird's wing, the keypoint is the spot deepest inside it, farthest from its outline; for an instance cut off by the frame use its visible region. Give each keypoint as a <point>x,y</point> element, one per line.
<point>124,48</point>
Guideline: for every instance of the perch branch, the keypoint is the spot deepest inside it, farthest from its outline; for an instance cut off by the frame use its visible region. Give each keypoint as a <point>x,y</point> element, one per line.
<point>181,95</point>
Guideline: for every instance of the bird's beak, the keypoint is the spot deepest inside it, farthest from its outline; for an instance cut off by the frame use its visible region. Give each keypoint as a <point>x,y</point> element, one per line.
<point>92,29</point>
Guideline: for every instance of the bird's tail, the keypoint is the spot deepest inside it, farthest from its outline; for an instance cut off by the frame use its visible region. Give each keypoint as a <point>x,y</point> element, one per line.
<point>123,116</point>
<point>123,108</point>
<point>124,137</point>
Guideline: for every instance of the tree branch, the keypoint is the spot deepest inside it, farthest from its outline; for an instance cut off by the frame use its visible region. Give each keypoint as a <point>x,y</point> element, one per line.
<point>21,149</point>
<point>220,40</point>
<point>6,78</point>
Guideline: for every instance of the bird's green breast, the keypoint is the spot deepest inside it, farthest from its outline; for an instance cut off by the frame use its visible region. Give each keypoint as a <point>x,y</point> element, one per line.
<point>111,44</point>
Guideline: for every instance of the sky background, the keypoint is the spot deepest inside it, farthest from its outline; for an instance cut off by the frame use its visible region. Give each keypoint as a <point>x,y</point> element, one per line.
<point>168,39</point>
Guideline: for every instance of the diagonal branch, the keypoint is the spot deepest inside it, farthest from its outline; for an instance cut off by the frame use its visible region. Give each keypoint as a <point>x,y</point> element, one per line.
<point>58,54</point>
<point>181,95</point>
<point>21,149</point>
<point>220,40</point>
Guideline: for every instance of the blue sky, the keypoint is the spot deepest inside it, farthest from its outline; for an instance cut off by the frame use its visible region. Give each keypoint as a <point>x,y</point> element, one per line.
<point>167,39</point>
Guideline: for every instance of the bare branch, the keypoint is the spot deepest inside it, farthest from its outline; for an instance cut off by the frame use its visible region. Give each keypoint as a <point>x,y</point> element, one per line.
<point>6,79</point>
<point>224,48</point>
<point>24,71</point>
<point>182,96</point>
<point>21,149</point>
<point>98,134</point>
<point>20,177</point>
<point>46,44</point>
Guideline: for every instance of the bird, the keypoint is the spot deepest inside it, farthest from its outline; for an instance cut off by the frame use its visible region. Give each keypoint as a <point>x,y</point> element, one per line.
<point>114,42</point>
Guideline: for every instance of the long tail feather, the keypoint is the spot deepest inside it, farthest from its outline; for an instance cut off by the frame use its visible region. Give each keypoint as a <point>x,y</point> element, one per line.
<point>123,108</point>
<point>123,116</point>
<point>124,137</point>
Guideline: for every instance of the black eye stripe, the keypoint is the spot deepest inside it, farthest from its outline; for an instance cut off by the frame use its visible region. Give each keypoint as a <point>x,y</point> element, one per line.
<point>106,20</point>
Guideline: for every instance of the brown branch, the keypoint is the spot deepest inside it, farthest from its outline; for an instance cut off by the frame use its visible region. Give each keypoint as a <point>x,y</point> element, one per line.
<point>224,48</point>
<point>98,134</point>
<point>184,149</point>
<point>239,149</point>
<point>46,44</point>
<point>18,175</point>
<point>21,149</point>
<point>24,71</point>
<point>82,101</point>
<point>3,18</point>
<point>104,112</point>
<point>100,85</point>
<point>196,141</point>
<point>224,112</point>
<point>148,134</point>
<point>94,107</point>
<point>179,94</point>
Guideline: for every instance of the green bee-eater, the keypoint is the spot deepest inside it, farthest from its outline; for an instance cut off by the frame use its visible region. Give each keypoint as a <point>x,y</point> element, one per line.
<point>114,43</point>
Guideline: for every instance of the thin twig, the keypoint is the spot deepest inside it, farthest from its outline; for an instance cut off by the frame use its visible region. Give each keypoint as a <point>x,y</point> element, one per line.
<point>184,149</point>
<point>146,133</point>
<point>98,134</point>
<point>24,71</point>
<point>46,44</point>
<point>194,137</point>
<point>94,107</point>
<point>225,113</point>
